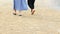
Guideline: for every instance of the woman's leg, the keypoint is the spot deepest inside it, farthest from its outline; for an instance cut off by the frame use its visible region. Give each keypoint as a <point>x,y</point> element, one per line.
<point>14,12</point>
<point>20,13</point>
<point>14,8</point>
<point>31,5</point>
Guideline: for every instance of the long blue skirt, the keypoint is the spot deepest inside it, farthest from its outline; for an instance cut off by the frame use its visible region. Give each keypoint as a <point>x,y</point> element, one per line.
<point>20,5</point>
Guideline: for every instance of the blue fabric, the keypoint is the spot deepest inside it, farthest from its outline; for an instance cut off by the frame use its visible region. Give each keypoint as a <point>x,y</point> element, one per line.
<point>20,5</point>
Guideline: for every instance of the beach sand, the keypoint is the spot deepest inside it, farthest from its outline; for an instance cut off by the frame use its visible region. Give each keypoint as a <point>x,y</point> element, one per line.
<point>44,21</point>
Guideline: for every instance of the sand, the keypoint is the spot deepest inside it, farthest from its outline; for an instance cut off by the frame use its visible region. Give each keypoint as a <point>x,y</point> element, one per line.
<point>44,21</point>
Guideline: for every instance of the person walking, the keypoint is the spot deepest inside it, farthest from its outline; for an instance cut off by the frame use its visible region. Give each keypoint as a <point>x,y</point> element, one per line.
<point>20,5</point>
<point>31,5</point>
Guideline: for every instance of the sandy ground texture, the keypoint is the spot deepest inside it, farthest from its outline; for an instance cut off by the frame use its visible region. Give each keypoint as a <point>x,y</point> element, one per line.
<point>44,21</point>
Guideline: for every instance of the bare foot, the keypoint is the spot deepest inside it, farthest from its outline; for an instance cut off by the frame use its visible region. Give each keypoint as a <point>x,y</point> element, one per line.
<point>32,12</point>
<point>14,13</point>
<point>20,13</point>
